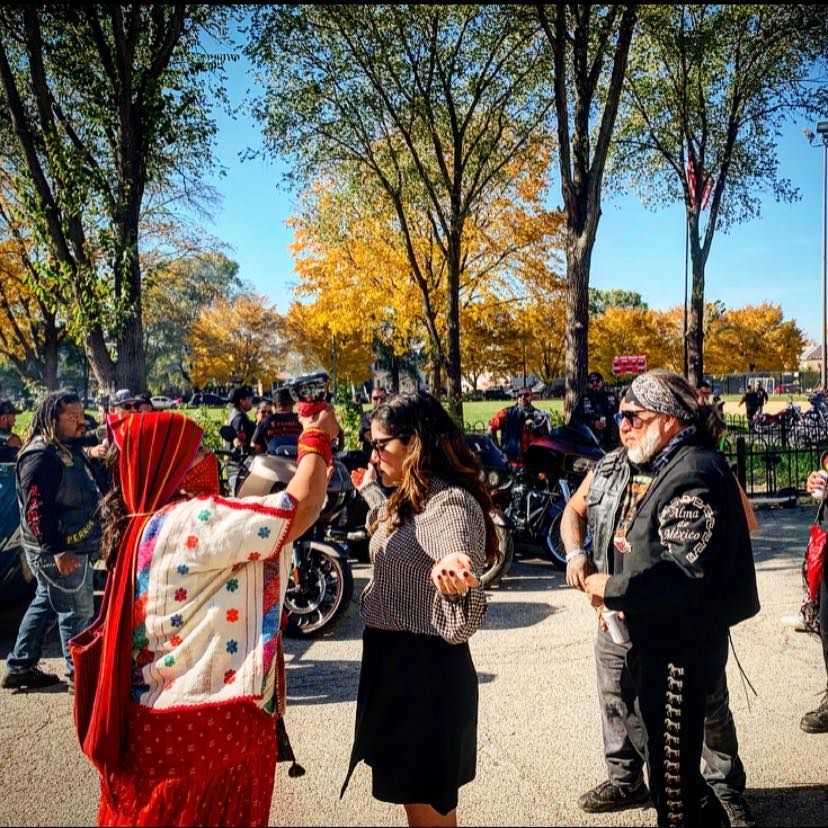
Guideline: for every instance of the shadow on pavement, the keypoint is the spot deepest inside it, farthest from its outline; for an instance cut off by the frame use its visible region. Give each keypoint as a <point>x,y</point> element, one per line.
<point>801,806</point>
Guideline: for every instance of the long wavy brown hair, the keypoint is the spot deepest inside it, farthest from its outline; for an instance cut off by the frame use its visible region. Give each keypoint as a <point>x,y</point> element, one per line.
<point>438,449</point>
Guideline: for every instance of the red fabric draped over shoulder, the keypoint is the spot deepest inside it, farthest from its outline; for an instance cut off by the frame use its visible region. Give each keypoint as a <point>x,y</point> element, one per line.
<point>156,450</point>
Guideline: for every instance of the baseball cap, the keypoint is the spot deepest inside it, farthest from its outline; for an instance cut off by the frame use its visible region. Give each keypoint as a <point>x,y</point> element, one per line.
<point>6,407</point>
<point>122,397</point>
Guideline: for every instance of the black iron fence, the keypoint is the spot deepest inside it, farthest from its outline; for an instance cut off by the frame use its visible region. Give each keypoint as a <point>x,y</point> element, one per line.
<point>773,458</point>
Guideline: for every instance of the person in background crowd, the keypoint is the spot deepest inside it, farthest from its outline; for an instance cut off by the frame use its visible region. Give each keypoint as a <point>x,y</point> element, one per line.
<point>181,717</point>
<point>518,425</point>
<point>282,428</point>
<point>378,397</point>
<point>241,401</point>
<point>671,540</point>
<point>60,534</point>
<point>816,721</point>
<point>123,401</point>
<point>263,410</point>
<point>750,399</point>
<point>596,409</point>
<point>10,443</point>
<point>416,718</point>
<point>762,397</point>
<point>143,403</point>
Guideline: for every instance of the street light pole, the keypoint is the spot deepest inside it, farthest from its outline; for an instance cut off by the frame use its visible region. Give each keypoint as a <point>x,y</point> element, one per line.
<point>822,131</point>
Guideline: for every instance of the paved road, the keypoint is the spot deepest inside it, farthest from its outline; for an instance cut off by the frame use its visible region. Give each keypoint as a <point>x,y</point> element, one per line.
<point>539,745</point>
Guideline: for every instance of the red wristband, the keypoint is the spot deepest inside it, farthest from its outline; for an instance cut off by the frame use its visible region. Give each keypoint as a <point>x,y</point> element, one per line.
<point>315,441</point>
<point>308,409</point>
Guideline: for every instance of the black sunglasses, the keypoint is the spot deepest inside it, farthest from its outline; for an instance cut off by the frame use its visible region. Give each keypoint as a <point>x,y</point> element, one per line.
<point>379,445</point>
<point>632,417</point>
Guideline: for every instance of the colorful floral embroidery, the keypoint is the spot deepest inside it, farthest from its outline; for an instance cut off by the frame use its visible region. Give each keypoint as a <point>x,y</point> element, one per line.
<point>232,646</point>
<point>191,542</point>
<point>176,620</point>
<point>183,569</point>
<point>232,585</point>
<point>253,556</point>
<point>229,676</point>
<point>236,567</point>
<point>181,595</point>
<point>169,661</point>
<point>175,640</point>
<point>204,515</point>
<point>264,532</point>
<point>232,615</point>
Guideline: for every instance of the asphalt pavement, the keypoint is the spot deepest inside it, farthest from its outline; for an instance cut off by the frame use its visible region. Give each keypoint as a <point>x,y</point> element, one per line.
<point>539,734</point>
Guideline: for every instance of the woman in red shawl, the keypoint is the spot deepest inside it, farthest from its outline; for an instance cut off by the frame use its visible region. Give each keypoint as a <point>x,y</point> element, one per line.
<point>179,716</point>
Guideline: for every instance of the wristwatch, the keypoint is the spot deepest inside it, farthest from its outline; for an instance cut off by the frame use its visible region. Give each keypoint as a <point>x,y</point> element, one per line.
<point>574,553</point>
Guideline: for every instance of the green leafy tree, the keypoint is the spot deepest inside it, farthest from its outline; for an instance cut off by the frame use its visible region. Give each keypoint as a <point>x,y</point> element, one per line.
<point>174,296</point>
<point>600,300</point>
<point>590,46</point>
<point>428,103</point>
<point>101,105</point>
<point>708,88</point>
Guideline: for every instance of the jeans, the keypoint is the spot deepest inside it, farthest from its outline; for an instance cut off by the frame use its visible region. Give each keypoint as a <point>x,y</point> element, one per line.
<point>70,598</point>
<point>722,767</point>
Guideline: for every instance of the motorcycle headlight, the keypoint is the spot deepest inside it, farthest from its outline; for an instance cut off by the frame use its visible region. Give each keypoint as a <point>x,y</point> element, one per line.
<point>493,479</point>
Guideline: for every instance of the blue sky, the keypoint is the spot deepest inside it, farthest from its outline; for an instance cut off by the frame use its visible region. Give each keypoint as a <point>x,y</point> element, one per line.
<point>776,258</point>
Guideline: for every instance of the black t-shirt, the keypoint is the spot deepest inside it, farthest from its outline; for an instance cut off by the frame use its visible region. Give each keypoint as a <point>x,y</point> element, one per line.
<point>242,425</point>
<point>279,429</point>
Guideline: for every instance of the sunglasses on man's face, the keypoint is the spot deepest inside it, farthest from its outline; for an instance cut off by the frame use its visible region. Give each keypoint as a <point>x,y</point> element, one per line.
<point>523,396</point>
<point>377,399</point>
<point>633,418</point>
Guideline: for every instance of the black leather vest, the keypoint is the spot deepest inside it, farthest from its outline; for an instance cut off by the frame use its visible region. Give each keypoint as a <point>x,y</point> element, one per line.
<point>76,502</point>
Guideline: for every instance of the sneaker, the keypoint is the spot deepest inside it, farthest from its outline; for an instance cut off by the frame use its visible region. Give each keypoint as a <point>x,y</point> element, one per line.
<point>817,720</point>
<point>738,813</point>
<point>609,797</point>
<point>28,679</point>
<point>70,685</point>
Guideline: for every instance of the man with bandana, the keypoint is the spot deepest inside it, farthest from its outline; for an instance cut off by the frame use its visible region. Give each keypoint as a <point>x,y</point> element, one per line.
<point>671,552</point>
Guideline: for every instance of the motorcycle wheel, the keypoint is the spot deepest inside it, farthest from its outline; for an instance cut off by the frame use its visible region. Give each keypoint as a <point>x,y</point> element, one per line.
<point>553,544</point>
<point>492,575</point>
<point>329,593</point>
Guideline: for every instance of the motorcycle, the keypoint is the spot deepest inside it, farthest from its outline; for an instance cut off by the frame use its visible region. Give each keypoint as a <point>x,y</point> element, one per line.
<point>790,425</point>
<point>553,467</point>
<point>497,476</point>
<point>321,583</point>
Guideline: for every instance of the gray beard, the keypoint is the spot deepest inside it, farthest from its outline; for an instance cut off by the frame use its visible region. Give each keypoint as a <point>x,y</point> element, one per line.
<point>646,449</point>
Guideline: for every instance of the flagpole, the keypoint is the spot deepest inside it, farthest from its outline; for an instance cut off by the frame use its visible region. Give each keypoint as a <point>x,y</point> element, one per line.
<point>686,254</point>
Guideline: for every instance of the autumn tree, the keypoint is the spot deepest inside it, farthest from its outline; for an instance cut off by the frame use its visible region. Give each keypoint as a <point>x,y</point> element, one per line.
<point>630,330</point>
<point>708,89</point>
<point>236,341</point>
<point>589,45</point>
<point>99,105</point>
<point>429,103</point>
<point>345,355</point>
<point>32,327</point>
<point>753,338</point>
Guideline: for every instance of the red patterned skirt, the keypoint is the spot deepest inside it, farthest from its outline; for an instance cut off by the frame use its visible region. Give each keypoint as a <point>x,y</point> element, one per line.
<point>212,765</point>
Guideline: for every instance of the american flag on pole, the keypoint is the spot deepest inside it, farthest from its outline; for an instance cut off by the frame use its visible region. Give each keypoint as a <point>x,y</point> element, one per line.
<point>707,190</point>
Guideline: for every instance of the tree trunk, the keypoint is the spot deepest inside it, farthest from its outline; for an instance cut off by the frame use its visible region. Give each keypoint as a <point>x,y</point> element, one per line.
<point>50,359</point>
<point>453,367</point>
<point>435,371</point>
<point>395,374</point>
<point>695,324</point>
<point>578,261</point>
<point>100,361</point>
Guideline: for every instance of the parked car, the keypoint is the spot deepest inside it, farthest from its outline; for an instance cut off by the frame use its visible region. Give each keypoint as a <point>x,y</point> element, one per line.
<point>209,400</point>
<point>788,388</point>
<point>160,402</point>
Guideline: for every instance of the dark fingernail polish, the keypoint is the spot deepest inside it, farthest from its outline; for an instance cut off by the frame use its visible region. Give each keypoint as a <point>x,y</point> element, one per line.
<point>451,572</point>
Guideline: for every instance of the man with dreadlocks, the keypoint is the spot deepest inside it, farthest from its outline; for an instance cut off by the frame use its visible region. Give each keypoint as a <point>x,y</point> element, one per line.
<point>60,533</point>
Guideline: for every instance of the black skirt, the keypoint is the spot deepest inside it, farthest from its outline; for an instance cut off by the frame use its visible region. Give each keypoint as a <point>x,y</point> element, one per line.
<point>416,719</point>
